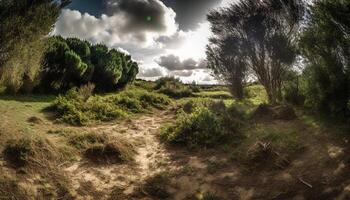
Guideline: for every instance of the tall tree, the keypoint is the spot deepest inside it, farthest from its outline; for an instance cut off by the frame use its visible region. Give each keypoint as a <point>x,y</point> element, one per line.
<point>325,44</point>
<point>23,25</point>
<point>255,38</point>
<point>227,64</point>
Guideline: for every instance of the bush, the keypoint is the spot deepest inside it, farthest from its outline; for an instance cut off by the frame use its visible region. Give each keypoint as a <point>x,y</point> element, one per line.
<point>77,109</point>
<point>27,151</point>
<point>269,112</point>
<point>204,126</point>
<point>85,140</point>
<point>111,152</point>
<point>173,87</point>
<point>100,148</point>
<point>156,186</point>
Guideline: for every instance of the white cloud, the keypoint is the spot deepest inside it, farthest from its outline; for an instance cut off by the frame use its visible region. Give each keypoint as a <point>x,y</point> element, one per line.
<point>126,29</point>
<point>120,28</point>
<point>151,72</point>
<point>173,63</point>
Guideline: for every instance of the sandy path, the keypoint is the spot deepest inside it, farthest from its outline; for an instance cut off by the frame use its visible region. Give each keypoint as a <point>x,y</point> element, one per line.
<point>101,180</point>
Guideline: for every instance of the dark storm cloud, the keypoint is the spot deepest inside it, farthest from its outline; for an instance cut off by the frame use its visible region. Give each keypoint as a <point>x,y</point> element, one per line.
<point>138,22</point>
<point>173,63</point>
<point>140,15</point>
<point>191,12</point>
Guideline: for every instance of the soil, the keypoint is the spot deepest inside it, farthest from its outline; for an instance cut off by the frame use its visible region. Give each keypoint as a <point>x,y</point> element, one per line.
<point>192,172</point>
<point>322,171</point>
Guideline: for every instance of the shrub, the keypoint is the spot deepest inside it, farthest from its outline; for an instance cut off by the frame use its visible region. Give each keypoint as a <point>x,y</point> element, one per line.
<point>77,108</point>
<point>27,151</point>
<point>156,186</point>
<point>86,91</point>
<point>101,148</point>
<point>85,140</point>
<point>173,87</point>
<point>190,105</point>
<point>269,112</point>
<point>202,127</point>
<point>111,152</point>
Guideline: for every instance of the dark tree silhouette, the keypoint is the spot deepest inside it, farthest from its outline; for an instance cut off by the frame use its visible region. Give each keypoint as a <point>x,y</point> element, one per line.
<point>325,43</point>
<point>254,38</point>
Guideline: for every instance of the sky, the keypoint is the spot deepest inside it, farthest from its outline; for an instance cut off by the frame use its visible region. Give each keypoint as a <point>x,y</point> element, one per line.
<point>166,37</point>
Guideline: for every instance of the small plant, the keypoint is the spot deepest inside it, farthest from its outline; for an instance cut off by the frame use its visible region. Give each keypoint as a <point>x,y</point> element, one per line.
<point>109,153</point>
<point>156,186</point>
<point>85,140</point>
<point>86,91</point>
<point>202,127</point>
<point>26,151</point>
<point>173,87</point>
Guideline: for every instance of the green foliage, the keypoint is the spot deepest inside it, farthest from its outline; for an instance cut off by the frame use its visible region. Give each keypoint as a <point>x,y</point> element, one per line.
<point>84,140</point>
<point>72,62</point>
<point>24,24</point>
<point>214,94</point>
<point>197,125</point>
<point>78,109</point>
<point>173,87</point>
<point>254,38</point>
<point>255,94</point>
<point>325,44</point>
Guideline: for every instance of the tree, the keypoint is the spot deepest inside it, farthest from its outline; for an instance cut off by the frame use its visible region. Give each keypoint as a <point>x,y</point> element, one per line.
<point>108,69</point>
<point>325,43</point>
<point>63,68</point>
<point>72,62</point>
<point>254,38</point>
<point>130,70</point>
<point>24,24</point>
<point>226,63</point>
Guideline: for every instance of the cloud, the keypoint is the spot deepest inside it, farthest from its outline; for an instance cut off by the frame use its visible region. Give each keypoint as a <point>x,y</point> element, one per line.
<point>151,72</point>
<point>208,78</point>
<point>139,22</point>
<point>184,73</point>
<point>191,12</point>
<point>173,63</point>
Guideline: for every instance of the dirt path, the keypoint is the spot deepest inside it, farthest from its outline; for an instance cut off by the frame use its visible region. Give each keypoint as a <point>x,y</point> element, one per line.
<point>151,155</point>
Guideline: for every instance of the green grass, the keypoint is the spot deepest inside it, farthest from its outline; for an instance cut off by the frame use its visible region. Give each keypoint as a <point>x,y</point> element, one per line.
<point>73,109</point>
<point>214,94</point>
<point>15,112</point>
<point>256,94</point>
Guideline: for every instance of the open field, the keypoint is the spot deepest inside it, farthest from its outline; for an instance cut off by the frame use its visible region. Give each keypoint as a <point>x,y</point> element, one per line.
<point>268,158</point>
